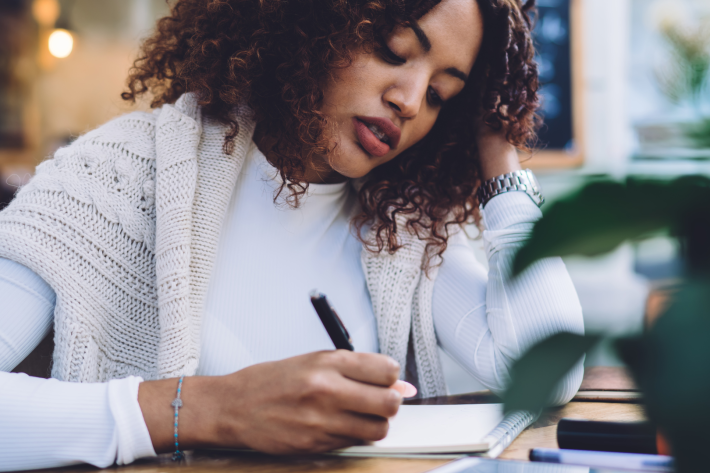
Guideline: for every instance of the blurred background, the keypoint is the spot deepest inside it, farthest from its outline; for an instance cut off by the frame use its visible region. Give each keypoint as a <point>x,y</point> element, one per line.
<point>625,87</point>
<point>63,65</point>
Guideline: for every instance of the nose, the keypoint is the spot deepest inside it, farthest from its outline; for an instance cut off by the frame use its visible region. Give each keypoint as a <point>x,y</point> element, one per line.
<point>406,98</point>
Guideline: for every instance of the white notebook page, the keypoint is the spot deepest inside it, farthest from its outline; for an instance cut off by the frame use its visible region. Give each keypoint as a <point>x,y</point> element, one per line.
<point>437,429</point>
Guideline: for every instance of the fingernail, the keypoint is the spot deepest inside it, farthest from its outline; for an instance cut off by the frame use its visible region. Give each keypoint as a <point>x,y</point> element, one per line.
<point>410,390</point>
<point>404,388</point>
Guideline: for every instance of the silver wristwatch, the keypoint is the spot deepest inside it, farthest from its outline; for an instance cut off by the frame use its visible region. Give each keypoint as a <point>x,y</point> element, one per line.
<point>513,181</point>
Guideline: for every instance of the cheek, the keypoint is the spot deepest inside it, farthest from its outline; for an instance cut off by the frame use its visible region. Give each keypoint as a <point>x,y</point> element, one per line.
<point>419,129</point>
<point>350,85</point>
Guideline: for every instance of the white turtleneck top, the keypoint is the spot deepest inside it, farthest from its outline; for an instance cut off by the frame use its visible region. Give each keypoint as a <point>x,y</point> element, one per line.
<point>258,309</point>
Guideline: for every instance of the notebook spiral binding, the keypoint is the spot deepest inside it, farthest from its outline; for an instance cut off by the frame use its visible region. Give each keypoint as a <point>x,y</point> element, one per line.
<point>509,428</point>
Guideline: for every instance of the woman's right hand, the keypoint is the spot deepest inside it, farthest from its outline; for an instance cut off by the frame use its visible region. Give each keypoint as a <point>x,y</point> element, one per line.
<point>310,403</point>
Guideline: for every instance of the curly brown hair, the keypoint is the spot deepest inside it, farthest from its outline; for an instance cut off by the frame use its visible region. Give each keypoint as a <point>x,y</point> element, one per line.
<point>274,56</point>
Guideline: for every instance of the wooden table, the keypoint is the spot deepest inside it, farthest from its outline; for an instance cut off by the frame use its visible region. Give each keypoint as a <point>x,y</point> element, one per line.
<point>540,434</point>
<point>543,433</point>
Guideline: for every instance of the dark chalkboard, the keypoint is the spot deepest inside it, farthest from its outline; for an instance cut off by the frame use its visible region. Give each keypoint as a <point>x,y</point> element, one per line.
<point>553,41</point>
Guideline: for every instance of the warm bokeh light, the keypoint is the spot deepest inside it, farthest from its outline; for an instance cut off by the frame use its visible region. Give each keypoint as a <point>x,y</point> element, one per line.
<point>61,43</point>
<point>46,12</point>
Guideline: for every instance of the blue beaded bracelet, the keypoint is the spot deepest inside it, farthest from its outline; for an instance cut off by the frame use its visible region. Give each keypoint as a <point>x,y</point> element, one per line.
<point>177,404</point>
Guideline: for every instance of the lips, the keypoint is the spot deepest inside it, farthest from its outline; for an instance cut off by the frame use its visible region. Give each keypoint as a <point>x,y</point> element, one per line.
<point>370,140</point>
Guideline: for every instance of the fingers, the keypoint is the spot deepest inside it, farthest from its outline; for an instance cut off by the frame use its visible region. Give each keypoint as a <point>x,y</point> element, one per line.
<point>335,442</point>
<point>319,431</point>
<point>371,368</point>
<point>355,431</point>
<point>367,377</point>
<point>359,426</point>
<point>310,443</point>
<point>367,399</point>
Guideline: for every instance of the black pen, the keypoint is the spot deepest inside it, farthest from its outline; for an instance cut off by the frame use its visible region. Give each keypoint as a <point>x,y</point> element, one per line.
<point>332,323</point>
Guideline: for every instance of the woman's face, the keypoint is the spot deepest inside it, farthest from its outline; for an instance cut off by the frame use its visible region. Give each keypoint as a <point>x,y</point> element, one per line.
<point>387,101</point>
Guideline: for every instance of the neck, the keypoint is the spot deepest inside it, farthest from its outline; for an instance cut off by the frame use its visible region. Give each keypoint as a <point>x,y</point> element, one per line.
<point>316,172</point>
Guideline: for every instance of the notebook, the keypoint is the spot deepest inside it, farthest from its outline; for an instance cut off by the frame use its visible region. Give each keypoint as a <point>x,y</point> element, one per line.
<point>462,428</point>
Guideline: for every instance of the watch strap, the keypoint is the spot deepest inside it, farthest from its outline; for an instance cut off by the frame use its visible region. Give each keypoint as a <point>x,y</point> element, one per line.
<point>522,181</point>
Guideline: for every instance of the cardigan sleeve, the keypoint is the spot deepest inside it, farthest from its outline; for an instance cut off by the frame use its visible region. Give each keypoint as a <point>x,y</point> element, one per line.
<point>48,423</point>
<point>486,321</point>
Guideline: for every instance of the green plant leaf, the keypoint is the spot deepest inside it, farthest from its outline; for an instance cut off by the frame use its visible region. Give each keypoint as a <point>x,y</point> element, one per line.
<point>700,133</point>
<point>671,365</point>
<point>535,375</point>
<point>603,215</point>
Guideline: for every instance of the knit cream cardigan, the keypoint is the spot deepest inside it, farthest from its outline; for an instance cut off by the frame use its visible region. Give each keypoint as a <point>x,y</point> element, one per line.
<point>124,225</point>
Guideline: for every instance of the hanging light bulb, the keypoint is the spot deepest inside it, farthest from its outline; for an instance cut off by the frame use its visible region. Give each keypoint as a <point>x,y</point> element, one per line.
<point>61,43</point>
<point>46,12</point>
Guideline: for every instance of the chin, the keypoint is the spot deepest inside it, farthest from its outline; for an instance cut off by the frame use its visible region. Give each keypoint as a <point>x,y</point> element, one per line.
<point>354,162</point>
<point>352,172</point>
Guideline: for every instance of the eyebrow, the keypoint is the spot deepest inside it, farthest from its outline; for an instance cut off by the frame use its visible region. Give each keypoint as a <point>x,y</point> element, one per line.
<point>421,35</point>
<point>426,46</point>
<point>452,71</point>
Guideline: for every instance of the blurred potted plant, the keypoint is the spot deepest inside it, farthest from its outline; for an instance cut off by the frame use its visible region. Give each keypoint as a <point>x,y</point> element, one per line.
<point>671,361</point>
<point>683,78</point>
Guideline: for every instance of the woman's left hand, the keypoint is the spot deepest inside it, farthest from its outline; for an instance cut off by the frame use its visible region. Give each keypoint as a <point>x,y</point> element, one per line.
<point>496,154</point>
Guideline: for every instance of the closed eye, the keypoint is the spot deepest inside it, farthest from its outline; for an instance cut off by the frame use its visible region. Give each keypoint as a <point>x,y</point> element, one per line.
<point>434,98</point>
<point>391,57</point>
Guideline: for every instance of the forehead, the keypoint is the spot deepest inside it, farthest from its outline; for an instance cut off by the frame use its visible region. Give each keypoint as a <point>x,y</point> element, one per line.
<point>455,30</point>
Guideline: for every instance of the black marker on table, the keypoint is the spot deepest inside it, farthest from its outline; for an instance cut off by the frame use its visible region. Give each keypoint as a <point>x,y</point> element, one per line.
<point>332,323</point>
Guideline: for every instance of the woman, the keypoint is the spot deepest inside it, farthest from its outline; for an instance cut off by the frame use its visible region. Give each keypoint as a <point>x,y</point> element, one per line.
<point>185,241</point>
